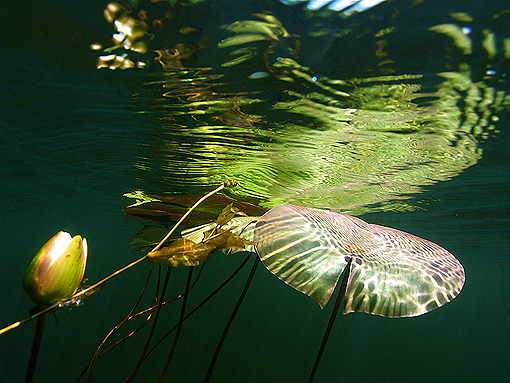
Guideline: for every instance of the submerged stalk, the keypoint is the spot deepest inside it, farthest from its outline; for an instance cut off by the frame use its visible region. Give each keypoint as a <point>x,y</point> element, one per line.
<point>34,352</point>
<point>230,320</point>
<point>341,294</point>
<point>99,284</point>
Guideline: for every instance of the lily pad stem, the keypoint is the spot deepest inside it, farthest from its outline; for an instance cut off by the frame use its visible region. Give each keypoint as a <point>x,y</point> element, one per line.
<point>99,284</point>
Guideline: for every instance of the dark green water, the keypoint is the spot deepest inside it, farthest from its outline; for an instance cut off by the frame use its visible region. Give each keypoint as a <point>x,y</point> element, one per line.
<point>75,138</point>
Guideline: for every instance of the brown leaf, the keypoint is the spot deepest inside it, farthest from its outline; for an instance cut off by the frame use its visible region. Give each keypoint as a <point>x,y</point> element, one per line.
<point>171,208</point>
<point>223,239</point>
<point>227,214</point>
<point>182,252</point>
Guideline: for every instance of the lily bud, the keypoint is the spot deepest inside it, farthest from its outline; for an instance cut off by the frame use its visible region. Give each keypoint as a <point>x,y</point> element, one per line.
<point>57,269</point>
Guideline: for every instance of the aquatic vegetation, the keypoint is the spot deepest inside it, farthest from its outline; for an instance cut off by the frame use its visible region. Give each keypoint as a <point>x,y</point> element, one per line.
<point>270,29</point>
<point>53,276</point>
<point>57,269</point>
<point>391,273</point>
<point>460,38</point>
<point>360,139</point>
<point>387,272</point>
<point>187,252</point>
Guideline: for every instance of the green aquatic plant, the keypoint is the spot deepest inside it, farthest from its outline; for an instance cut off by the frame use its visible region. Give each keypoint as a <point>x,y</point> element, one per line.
<point>57,269</point>
<point>361,141</point>
<point>387,272</point>
<point>54,275</point>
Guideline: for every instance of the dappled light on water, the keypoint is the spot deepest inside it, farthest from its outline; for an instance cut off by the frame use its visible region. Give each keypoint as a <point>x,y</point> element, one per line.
<point>360,151</point>
<point>237,103</point>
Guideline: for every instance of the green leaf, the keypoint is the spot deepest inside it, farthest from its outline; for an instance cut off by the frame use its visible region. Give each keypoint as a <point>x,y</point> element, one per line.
<point>149,236</point>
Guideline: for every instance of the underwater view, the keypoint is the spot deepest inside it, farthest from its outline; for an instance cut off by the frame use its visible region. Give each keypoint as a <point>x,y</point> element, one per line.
<point>353,158</point>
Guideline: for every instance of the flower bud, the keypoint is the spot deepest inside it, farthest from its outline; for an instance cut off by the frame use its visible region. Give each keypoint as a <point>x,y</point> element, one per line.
<point>57,269</point>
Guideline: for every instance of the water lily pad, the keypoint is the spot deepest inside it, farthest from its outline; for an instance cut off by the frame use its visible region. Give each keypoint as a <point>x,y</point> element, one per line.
<point>392,273</point>
<point>171,208</point>
<point>149,237</point>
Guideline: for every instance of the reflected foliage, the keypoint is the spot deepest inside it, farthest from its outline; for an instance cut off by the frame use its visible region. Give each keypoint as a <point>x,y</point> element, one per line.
<point>237,101</point>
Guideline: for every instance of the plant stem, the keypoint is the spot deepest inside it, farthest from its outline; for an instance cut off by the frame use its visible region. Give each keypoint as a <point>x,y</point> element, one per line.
<point>104,280</point>
<point>34,352</point>
<point>188,213</point>
<point>230,320</point>
<point>133,372</point>
<point>179,325</point>
<point>341,294</point>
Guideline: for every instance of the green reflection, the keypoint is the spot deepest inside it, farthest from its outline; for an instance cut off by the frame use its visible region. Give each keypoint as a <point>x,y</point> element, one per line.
<point>369,155</point>
<point>293,136</point>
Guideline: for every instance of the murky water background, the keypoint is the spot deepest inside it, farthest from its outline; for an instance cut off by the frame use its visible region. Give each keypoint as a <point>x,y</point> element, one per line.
<point>405,148</point>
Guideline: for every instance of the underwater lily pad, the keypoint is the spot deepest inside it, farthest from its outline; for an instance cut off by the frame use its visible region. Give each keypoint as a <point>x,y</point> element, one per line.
<point>171,208</point>
<point>392,273</point>
<point>149,237</point>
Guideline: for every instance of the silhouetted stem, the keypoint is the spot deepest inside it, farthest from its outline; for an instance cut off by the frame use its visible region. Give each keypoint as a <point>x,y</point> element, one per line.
<point>34,352</point>
<point>217,290</point>
<point>156,316</point>
<point>341,294</point>
<point>97,354</point>
<point>188,213</point>
<point>230,320</point>
<point>179,325</point>
<point>58,305</point>
<point>92,288</point>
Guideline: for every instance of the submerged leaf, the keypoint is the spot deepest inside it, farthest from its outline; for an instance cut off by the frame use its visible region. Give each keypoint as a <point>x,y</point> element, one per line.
<point>224,239</point>
<point>227,214</point>
<point>171,208</point>
<point>184,252</point>
<point>149,236</point>
<point>392,273</point>
<point>242,226</point>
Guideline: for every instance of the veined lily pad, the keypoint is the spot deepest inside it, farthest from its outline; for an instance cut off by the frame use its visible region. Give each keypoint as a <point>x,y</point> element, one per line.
<point>392,273</point>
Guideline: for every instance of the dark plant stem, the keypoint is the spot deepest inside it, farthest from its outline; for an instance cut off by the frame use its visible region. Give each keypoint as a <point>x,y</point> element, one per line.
<point>217,290</point>
<point>179,325</point>
<point>503,279</point>
<point>34,352</point>
<point>341,294</point>
<point>90,369</point>
<point>156,316</point>
<point>230,320</point>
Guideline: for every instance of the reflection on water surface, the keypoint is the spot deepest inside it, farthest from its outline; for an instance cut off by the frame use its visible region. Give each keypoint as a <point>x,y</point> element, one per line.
<point>290,134</point>
<point>304,151</point>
